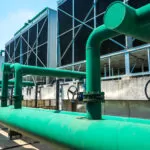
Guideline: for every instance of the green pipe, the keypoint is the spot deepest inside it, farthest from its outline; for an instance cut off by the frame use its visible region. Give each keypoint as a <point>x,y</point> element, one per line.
<point>77,132</point>
<point>74,130</point>
<point>25,83</point>
<point>119,19</point>
<point>4,94</point>
<point>127,20</point>
<point>53,72</point>
<point>18,97</point>
<point>94,96</point>
<point>8,86</point>
<point>5,82</point>
<point>21,70</point>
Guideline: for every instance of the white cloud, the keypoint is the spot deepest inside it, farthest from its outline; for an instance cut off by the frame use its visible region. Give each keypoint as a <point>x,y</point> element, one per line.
<point>13,22</point>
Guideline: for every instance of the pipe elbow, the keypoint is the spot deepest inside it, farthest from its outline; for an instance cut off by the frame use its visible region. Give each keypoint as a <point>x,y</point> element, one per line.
<point>94,39</point>
<point>16,67</point>
<point>6,67</point>
<point>99,35</point>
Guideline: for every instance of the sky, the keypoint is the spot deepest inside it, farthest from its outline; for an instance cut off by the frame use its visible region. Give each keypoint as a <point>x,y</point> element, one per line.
<point>14,13</point>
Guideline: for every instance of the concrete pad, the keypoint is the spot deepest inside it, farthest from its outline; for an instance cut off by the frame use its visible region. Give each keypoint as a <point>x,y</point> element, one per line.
<point>20,144</point>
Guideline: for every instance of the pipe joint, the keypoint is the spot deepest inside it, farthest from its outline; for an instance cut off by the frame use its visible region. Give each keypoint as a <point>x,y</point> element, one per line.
<point>16,67</point>
<point>94,97</point>
<point>6,68</point>
<point>3,101</point>
<point>17,99</point>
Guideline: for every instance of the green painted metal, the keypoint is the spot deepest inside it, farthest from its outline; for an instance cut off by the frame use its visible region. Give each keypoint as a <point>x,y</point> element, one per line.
<point>29,21</point>
<point>6,82</point>
<point>93,85</point>
<point>53,72</point>
<point>21,70</point>
<point>127,20</point>
<point>119,19</point>
<point>25,83</point>
<point>77,132</point>
<point>5,78</point>
<point>18,97</point>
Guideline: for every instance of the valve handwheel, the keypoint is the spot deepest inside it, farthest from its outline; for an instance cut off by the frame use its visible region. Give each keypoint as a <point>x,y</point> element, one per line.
<point>73,91</point>
<point>147,90</point>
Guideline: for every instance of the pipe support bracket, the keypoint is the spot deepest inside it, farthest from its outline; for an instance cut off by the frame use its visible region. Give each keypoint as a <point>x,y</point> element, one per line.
<point>94,97</point>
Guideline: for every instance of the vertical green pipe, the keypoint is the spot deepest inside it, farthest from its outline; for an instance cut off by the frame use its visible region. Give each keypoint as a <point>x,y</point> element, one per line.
<point>18,87</point>
<point>119,19</point>
<point>94,95</point>
<point>4,94</point>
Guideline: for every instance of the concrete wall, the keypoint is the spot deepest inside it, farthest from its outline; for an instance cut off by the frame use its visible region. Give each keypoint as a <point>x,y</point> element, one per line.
<point>136,109</point>
<point>124,89</point>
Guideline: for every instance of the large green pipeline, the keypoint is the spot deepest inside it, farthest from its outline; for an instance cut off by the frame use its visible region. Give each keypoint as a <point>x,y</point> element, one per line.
<point>119,19</point>
<point>76,132</point>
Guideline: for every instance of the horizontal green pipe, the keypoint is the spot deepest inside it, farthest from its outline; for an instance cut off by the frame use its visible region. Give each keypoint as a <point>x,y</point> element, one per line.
<point>33,70</point>
<point>77,132</point>
<point>20,70</point>
<point>25,83</point>
<point>127,20</point>
<point>10,86</point>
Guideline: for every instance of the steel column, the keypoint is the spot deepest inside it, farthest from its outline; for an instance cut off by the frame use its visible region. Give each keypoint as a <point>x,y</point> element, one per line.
<point>95,21</point>
<point>109,65</point>
<point>105,70</point>
<point>73,32</point>
<point>57,94</point>
<point>21,51</point>
<point>36,95</point>
<point>127,63</point>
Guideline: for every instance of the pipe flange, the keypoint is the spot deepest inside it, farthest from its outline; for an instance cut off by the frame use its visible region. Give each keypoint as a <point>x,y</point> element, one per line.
<point>17,97</point>
<point>3,98</point>
<point>94,97</point>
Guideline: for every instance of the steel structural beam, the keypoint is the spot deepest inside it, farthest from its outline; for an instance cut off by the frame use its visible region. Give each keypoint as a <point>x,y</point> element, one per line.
<point>84,22</point>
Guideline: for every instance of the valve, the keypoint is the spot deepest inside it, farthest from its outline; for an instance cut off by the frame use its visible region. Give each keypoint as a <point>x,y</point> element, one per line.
<point>73,90</point>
